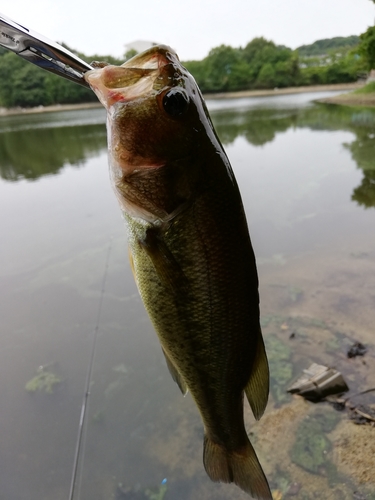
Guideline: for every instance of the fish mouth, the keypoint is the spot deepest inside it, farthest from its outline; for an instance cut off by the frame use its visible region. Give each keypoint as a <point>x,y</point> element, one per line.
<point>137,77</point>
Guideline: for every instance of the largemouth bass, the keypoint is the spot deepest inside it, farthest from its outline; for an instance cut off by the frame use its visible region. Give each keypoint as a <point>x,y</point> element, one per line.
<point>190,250</point>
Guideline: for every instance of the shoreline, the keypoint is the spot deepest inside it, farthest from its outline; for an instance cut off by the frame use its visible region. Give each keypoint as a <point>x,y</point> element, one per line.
<point>341,99</point>
<point>283,91</point>
<point>367,100</point>
<point>49,109</point>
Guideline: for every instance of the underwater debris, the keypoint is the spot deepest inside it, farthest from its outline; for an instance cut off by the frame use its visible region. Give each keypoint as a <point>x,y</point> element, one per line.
<point>44,381</point>
<point>357,349</point>
<point>360,414</point>
<point>318,382</point>
<point>293,489</point>
<point>277,495</point>
<point>284,486</point>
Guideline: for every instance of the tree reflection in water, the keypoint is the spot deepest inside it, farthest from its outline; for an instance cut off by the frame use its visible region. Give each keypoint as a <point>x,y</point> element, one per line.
<point>259,126</point>
<point>31,152</point>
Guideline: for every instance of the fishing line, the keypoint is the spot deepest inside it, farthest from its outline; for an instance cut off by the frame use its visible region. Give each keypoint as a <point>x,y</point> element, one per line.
<point>88,379</point>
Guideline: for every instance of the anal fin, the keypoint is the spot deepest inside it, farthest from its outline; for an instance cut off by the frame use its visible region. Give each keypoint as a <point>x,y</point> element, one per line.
<point>175,374</point>
<point>257,388</point>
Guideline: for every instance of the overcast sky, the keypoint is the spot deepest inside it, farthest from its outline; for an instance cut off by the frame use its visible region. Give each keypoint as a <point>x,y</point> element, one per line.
<point>191,27</point>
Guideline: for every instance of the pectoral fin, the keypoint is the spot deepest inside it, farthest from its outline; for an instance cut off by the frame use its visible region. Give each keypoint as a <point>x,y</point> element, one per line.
<point>257,388</point>
<point>175,374</point>
<point>166,266</point>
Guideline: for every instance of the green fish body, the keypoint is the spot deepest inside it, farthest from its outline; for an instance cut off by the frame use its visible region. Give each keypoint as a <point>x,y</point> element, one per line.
<point>190,250</point>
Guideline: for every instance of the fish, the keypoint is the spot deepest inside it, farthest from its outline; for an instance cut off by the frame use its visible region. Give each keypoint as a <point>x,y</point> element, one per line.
<point>190,250</point>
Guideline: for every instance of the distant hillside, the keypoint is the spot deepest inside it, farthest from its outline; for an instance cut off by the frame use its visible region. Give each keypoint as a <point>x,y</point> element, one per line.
<point>321,47</point>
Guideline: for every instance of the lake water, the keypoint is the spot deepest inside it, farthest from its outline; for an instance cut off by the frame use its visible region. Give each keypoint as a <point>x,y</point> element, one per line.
<point>307,176</point>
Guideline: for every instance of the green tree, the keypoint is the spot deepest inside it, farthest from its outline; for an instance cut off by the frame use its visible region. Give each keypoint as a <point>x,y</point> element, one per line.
<point>220,62</point>
<point>367,47</point>
<point>199,70</point>
<point>256,53</point>
<point>24,84</point>
<point>328,45</point>
<point>267,76</point>
<point>61,91</point>
<point>239,76</point>
<point>271,65</point>
<point>129,54</point>
<point>28,87</point>
<point>21,82</point>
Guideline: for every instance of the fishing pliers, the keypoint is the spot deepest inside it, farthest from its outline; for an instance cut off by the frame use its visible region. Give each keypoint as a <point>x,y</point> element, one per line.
<point>41,51</point>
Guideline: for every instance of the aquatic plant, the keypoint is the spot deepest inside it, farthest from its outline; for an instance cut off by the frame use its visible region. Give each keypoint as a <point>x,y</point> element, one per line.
<point>136,493</point>
<point>281,369</point>
<point>159,494</point>
<point>295,293</point>
<point>44,381</point>
<point>311,446</point>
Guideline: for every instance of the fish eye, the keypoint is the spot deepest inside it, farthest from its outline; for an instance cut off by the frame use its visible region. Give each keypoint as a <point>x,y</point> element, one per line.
<point>175,102</point>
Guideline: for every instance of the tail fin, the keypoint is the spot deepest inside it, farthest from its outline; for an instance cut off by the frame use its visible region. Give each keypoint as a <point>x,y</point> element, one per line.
<point>240,467</point>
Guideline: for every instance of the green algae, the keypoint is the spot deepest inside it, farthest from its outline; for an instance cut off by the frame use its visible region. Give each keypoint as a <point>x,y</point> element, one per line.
<point>157,495</point>
<point>295,293</point>
<point>333,345</point>
<point>268,319</point>
<point>128,492</point>
<point>282,481</point>
<point>281,368</point>
<point>45,381</point>
<point>311,447</point>
<point>293,321</point>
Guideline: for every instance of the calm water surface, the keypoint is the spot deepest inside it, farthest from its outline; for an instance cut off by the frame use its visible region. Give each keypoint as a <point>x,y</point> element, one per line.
<point>307,176</point>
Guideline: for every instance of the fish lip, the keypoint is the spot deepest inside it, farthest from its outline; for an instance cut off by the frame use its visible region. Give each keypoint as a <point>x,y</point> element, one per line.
<point>154,57</point>
<point>133,79</point>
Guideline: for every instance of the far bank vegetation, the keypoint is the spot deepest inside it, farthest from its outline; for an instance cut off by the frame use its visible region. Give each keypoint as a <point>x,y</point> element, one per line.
<point>261,64</point>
